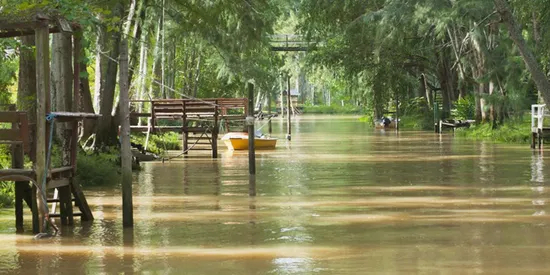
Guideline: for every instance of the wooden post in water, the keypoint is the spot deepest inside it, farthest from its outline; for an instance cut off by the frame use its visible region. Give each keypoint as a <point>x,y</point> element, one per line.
<point>281,98</point>
<point>250,124</point>
<point>288,125</point>
<point>270,129</point>
<point>42,98</point>
<point>396,111</point>
<point>125,151</point>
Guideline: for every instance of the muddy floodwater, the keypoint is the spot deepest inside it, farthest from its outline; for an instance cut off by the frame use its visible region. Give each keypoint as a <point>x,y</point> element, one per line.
<point>340,198</point>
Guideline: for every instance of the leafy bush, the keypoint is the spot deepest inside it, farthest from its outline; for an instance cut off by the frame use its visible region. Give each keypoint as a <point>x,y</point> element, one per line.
<point>159,143</point>
<point>465,108</point>
<point>513,131</point>
<point>96,169</point>
<point>416,122</point>
<point>7,194</point>
<point>367,118</point>
<point>333,109</point>
<point>6,188</point>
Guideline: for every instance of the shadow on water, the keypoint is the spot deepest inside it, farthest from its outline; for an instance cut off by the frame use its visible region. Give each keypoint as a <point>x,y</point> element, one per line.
<point>340,198</point>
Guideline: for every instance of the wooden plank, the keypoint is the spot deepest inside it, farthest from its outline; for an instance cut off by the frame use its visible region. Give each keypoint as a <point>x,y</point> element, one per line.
<point>59,215</point>
<point>10,117</point>
<point>10,135</point>
<point>72,116</point>
<point>58,183</point>
<point>140,114</point>
<point>60,170</point>
<point>81,201</point>
<point>17,172</point>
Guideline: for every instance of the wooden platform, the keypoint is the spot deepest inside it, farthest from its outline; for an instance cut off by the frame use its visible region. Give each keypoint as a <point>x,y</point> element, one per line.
<point>200,117</point>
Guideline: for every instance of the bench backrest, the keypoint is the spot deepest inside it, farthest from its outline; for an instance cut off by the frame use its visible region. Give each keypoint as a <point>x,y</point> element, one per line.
<point>19,131</point>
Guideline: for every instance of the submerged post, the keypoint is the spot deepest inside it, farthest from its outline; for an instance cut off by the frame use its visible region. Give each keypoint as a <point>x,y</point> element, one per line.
<point>288,126</point>
<point>250,124</point>
<point>42,107</point>
<point>125,150</point>
<point>270,130</point>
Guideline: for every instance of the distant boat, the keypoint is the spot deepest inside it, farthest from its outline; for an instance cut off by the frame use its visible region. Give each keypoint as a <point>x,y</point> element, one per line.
<point>239,141</point>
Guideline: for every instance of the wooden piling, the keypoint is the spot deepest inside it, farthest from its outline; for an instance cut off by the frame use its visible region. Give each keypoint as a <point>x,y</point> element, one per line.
<point>126,153</point>
<point>270,128</point>
<point>215,134</point>
<point>42,96</point>
<point>288,125</point>
<point>250,124</point>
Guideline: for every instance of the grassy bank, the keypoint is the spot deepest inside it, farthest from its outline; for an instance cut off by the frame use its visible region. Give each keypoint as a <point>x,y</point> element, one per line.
<point>512,131</point>
<point>159,143</point>
<point>333,109</point>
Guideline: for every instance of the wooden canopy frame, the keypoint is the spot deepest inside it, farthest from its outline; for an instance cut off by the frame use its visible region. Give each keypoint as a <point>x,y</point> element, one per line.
<point>42,23</point>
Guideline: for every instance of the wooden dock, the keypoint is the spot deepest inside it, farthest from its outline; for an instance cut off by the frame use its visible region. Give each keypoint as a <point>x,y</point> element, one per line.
<point>538,129</point>
<point>200,119</point>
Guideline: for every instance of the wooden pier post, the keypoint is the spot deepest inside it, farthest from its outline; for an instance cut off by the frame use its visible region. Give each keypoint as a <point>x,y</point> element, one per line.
<point>397,112</point>
<point>281,98</point>
<point>250,124</point>
<point>288,125</point>
<point>126,153</point>
<point>270,129</point>
<point>42,98</point>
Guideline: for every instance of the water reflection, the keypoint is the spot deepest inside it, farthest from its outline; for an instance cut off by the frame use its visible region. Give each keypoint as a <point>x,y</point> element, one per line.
<point>338,199</point>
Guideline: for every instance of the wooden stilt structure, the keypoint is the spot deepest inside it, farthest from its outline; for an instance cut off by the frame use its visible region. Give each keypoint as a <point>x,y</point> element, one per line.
<point>200,119</point>
<point>41,175</point>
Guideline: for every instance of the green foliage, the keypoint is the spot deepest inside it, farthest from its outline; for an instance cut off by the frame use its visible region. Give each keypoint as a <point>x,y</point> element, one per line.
<point>465,108</point>
<point>6,188</point>
<point>97,169</point>
<point>513,131</point>
<point>419,121</point>
<point>7,194</point>
<point>333,109</point>
<point>158,144</point>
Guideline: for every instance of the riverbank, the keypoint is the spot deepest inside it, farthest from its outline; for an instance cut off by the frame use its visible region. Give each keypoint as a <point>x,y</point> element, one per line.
<point>513,131</point>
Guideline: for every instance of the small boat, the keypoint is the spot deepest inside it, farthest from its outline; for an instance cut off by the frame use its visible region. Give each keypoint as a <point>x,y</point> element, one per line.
<point>392,125</point>
<point>386,123</point>
<point>239,141</point>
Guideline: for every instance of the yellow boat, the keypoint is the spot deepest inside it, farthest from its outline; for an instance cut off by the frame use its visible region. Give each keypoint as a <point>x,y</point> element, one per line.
<point>239,141</point>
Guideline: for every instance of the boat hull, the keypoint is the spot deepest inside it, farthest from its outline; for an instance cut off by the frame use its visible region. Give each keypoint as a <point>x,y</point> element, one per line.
<point>259,144</point>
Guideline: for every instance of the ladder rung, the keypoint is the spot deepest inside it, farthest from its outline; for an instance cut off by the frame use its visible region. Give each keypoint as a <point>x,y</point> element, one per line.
<point>55,215</point>
<point>57,200</point>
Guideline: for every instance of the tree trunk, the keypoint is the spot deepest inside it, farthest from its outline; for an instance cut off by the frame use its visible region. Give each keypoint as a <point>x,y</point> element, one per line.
<point>62,77</point>
<point>107,130</point>
<point>87,105</point>
<point>154,89</point>
<point>197,76</point>
<point>503,8</point>
<point>136,44</point>
<point>26,86</point>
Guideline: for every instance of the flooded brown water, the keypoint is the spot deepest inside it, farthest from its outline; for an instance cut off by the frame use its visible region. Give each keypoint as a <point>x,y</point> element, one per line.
<point>340,198</point>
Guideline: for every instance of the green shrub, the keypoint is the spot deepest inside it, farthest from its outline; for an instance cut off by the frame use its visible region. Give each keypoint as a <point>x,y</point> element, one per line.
<point>416,122</point>
<point>96,169</point>
<point>333,109</point>
<point>465,108</point>
<point>512,131</point>
<point>159,143</point>
<point>7,194</point>
<point>7,197</point>
<point>367,118</point>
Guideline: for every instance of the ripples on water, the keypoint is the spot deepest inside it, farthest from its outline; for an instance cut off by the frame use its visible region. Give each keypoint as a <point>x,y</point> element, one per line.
<point>338,199</point>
